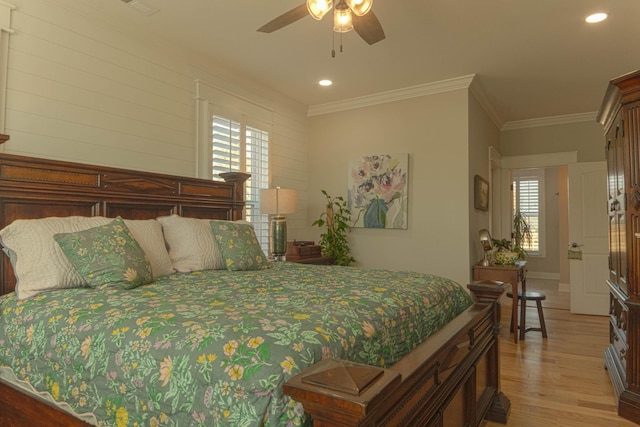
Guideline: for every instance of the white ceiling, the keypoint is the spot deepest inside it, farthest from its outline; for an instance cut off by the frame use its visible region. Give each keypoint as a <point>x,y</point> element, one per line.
<point>533,58</point>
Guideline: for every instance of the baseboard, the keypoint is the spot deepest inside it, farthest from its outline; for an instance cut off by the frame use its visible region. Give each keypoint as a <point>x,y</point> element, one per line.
<point>542,275</point>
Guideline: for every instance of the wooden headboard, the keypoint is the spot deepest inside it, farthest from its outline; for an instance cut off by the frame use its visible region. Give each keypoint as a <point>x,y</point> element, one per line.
<point>38,188</point>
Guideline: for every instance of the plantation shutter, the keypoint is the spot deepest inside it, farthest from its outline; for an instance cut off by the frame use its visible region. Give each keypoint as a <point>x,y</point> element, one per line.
<point>527,191</point>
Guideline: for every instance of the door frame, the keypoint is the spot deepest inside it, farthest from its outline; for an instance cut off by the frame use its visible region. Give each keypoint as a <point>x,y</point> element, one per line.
<point>502,217</point>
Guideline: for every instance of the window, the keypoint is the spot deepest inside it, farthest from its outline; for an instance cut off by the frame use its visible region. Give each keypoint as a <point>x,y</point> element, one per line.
<point>240,147</point>
<point>528,191</point>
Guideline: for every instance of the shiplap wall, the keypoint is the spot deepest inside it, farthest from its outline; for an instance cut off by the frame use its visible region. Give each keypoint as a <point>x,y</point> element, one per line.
<point>80,89</point>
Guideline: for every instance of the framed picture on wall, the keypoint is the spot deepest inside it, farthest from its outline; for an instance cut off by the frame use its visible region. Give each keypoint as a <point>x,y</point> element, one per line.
<point>480,193</point>
<point>378,190</point>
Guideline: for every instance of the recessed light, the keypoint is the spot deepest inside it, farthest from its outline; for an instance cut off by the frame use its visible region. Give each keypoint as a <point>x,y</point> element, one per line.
<point>596,17</point>
<point>325,82</point>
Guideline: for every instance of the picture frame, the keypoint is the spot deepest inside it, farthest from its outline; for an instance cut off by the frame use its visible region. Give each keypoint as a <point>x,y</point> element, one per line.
<point>378,192</point>
<point>480,193</point>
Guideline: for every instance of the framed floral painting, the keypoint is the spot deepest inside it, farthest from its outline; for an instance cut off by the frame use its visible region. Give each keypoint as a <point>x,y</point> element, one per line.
<point>378,190</point>
<point>480,193</point>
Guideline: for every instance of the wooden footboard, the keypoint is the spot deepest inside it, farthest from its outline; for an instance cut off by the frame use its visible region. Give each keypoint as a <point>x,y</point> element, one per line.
<point>20,410</point>
<point>450,379</point>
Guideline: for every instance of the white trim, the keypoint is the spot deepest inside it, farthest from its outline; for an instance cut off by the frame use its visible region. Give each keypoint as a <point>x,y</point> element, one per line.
<point>539,160</point>
<point>481,95</point>
<point>5,33</point>
<point>564,287</point>
<point>260,104</point>
<point>203,147</point>
<point>543,275</point>
<point>448,85</point>
<point>550,121</point>
<point>535,174</point>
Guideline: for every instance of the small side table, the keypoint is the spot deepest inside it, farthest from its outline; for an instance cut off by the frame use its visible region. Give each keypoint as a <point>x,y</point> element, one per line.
<point>320,260</point>
<point>515,275</point>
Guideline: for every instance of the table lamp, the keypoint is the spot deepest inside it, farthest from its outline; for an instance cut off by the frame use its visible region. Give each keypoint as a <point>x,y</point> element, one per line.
<point>277,202</point>
<point>485,240</point>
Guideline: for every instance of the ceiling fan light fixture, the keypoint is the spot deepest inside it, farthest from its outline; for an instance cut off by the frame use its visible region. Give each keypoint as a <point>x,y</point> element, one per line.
<point>360,7</point>
<point>342,22</point>
<point>319,8</point>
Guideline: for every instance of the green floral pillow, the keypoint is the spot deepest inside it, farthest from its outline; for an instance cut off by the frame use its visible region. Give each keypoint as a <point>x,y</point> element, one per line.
<point>239,246</point>
<point>107,254</point>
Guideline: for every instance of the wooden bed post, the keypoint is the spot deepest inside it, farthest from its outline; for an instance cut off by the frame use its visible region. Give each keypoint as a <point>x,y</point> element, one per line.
<point>491,291</point>
<point>237,179</point>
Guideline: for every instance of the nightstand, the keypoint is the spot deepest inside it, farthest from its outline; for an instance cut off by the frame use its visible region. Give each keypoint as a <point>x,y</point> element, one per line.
<point>320,260</point>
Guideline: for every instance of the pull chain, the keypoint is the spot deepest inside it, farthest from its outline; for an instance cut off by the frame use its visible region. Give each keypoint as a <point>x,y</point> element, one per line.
<point>333,44</point>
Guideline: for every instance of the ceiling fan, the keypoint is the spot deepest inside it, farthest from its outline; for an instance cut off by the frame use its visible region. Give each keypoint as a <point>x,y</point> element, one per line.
<point>347,15</point>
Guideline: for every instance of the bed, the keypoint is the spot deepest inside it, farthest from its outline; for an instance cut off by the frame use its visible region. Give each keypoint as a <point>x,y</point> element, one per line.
<point>166,339</point>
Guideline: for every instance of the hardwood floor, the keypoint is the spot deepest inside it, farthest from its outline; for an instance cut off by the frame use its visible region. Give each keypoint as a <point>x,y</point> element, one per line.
<point>559,381</point>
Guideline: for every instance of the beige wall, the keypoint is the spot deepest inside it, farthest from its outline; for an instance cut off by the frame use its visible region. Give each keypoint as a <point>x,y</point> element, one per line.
<point>563,224</point>
<point>587,138</point>
<point>434,130</point>
<point>482,134</point>
<point>78,89</point>
<point>549,264</point>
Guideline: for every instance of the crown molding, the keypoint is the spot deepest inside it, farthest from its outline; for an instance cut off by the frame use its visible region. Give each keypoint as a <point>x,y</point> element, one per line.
<point>539,160</point>
<point>550,121</point>
<point>489,107</point>
<point>392,96</point>
<point>470,82</point>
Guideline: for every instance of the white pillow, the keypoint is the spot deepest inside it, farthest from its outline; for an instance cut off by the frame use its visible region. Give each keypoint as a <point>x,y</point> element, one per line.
<point>148,233</point>
<point>39,263</point>
<point>191,244</point>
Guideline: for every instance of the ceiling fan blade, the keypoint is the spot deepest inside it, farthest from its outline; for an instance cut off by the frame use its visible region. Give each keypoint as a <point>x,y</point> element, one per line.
<point>368,27</point>
<point>285,19</point>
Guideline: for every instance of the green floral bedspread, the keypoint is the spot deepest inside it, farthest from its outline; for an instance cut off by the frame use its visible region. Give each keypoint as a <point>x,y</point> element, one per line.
<point>215,347</point>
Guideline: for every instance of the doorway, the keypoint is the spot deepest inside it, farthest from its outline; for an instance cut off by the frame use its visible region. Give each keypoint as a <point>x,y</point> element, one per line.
<point>540,272</point>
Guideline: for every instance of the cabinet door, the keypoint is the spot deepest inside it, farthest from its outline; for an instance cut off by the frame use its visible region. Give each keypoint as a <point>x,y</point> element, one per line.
<point>632,137</point>
<point>616,204</point>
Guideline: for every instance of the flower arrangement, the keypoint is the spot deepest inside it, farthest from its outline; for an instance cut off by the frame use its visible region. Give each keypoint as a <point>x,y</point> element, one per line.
<point>377,187</point>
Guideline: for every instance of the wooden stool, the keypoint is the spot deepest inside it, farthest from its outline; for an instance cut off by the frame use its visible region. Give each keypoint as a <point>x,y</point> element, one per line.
<point>530,296</point>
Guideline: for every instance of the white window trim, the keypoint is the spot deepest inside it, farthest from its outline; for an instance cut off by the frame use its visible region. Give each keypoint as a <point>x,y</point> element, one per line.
<point>5,32</point>
<point>539,174</point>
<point>212,99</point>
<point>227,103</point>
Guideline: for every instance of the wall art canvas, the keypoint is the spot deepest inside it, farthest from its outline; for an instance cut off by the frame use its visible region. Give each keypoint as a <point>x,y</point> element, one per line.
<point>480,193</point>
<point>378,190</point>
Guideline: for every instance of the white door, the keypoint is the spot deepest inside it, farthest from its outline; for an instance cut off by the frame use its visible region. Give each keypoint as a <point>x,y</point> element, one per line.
<point>588,227</point>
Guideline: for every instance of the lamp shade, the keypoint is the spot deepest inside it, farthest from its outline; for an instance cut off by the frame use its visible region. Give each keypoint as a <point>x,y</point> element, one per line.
<point>360,7</point>
<point>278,201</point>
<point>319,8</point>
<point>342,22</point>
<point>485,239</point>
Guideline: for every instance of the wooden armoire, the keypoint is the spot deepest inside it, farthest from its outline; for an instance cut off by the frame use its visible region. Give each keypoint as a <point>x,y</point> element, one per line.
<point>620,115</point>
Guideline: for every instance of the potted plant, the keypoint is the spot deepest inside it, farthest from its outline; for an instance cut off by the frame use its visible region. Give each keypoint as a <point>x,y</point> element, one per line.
<point>521,234</point>
<point>337,219</point>
<point>507,252</point>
